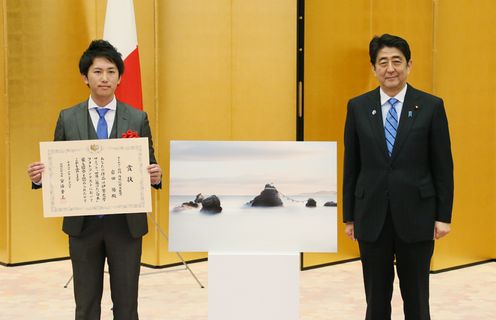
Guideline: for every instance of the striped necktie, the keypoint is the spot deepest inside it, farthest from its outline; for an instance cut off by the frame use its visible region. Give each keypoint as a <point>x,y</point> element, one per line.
<point>391,125</point>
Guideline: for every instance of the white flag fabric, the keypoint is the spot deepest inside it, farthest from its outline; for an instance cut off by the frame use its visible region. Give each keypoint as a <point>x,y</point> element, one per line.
<point>120,31</point>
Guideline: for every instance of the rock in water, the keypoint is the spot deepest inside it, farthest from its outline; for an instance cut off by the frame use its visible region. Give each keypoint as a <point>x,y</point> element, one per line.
<point>211,205</point>
<point>330,204</point>
<point>190,204</point>
<point>269,197</point>
<point>199,198</point>
<point>311,203</point>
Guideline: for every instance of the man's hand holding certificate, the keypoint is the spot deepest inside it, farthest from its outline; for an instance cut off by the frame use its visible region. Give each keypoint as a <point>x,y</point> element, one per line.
<point>94,177</point>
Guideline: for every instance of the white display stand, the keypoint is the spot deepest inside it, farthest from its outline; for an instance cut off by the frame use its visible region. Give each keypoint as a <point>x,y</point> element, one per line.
<point>261,286</point>
<point>254,247</point>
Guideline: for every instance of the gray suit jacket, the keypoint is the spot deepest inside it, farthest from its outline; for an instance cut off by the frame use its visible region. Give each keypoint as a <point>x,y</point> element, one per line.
<point>416,182</point>
<point>74,124</point>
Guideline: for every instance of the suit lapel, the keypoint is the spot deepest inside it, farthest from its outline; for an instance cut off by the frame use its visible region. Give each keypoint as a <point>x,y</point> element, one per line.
<point>121,122</point>
<point>374,114</point>
<point>407,119</point>
<point>82,119</point>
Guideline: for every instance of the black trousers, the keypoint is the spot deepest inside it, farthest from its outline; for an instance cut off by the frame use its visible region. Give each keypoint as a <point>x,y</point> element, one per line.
<point>108,238</point>
<point>412,265</point>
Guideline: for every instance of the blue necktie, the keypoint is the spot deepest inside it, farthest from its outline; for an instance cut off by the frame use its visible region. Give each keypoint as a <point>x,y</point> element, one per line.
<point>391,125</point>
<point>101,129</point>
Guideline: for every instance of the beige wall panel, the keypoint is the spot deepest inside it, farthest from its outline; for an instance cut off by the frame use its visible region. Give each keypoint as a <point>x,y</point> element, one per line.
<point>45,41</point>
<point>412,20</point>
<point>210,76</point>
<point>336,68</point>
<point>439,66</point>
<point>336,63</point>
<point>194,83</point>
<point>4,146</point>
<point>264,70</point>
<point>464,76</point>
<point>145,24</point>
<point>194,39</point>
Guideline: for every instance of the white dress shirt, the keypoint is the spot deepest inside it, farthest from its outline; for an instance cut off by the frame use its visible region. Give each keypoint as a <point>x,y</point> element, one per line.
<point>109,116</point>
<point>385,106</point>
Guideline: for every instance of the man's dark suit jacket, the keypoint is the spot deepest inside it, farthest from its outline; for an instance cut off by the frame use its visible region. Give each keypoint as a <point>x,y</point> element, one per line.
<point>75,124</point>
<point>416,181</point>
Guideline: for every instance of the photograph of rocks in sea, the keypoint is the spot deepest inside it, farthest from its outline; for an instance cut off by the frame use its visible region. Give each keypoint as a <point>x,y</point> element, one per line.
<point>253,196</point>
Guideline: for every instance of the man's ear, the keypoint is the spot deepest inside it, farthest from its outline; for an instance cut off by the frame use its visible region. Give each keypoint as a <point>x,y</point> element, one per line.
<point>372,67</point>
<point>85,79</point>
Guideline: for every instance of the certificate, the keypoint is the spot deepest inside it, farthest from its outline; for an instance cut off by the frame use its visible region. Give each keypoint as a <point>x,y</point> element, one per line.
<point>95,177</point>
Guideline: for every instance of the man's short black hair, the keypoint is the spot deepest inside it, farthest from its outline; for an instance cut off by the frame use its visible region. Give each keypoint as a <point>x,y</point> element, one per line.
<point>100,49</point>
<point>388,40</point>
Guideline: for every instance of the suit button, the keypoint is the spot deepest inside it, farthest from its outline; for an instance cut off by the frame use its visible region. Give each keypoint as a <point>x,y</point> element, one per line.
<point>387,194</point>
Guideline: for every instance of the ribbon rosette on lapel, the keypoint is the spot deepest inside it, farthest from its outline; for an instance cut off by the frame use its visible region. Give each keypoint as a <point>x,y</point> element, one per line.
<point>130,134</point>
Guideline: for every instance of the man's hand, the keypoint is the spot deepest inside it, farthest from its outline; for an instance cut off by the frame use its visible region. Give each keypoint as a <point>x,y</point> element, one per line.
<point>441,229</point>
<point>155,174</point>
<point>349,230</point>
<point>35,170</point>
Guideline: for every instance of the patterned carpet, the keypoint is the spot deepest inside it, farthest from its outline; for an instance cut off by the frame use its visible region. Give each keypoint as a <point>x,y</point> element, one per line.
<point>336,292</point>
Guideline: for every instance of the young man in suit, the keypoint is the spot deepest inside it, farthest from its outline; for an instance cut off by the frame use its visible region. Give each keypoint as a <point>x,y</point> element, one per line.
<point>398,181</point>
<point>116,238</point>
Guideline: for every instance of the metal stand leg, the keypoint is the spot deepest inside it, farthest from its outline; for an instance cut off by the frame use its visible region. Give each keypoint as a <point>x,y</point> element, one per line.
<point>161,231</point>
<point>68,281</point>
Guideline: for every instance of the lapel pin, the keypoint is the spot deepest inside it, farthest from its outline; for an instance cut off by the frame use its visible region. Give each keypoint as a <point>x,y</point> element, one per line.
<point>374,112</point>
<point>416,107</point>
<point>410,114</point>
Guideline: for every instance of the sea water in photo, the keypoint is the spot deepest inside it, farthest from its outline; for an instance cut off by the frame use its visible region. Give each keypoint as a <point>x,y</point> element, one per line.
<point>292,227</point>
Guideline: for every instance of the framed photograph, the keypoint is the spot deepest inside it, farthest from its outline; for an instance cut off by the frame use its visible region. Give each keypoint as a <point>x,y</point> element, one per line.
<point>253,196</point>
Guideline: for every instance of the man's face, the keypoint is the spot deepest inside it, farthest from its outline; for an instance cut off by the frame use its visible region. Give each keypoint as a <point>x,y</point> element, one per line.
<point>103,78</point>
<point>391,69</point>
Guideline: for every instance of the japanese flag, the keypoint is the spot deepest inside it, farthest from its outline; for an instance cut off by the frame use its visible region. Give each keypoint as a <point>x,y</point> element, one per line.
<point>120,31</point>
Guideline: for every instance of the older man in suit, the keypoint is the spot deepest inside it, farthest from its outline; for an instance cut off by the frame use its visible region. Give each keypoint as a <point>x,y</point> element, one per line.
<point>398,181</point>
<point>115,238</point>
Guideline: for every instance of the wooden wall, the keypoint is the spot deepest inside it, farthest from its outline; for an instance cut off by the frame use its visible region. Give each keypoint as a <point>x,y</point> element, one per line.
<point>225,70</point>
<point>452,44</point>
<point>204,67</point>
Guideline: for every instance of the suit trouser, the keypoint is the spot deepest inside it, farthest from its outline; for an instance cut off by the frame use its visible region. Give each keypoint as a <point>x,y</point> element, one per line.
<point>103,238</point>
<point>412,265</point>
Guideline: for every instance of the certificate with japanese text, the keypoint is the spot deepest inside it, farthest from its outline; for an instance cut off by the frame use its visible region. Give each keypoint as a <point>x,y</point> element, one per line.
<point>95,177</point>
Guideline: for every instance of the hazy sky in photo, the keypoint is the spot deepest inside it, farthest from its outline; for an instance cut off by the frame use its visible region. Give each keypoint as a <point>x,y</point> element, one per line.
<point>243,168</point>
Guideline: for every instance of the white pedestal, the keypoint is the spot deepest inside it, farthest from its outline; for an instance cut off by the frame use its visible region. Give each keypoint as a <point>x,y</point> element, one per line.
<point>253,286</point>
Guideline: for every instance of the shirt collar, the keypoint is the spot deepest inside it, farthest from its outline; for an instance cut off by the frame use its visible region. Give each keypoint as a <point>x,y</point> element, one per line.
<point>112,105</point>
<point>400,96</point>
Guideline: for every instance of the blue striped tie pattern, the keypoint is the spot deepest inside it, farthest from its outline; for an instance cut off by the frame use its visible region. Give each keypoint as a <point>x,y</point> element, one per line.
<point>391,125</point>
<point>101,129</point>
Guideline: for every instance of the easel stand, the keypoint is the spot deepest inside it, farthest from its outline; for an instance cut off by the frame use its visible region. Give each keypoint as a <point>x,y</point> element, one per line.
<point>253,286</point>
<point>161,231</point>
